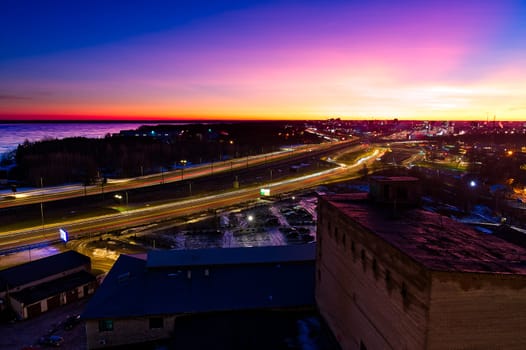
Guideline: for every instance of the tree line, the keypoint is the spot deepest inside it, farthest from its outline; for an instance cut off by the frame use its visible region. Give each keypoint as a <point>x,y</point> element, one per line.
<point>156,148</point>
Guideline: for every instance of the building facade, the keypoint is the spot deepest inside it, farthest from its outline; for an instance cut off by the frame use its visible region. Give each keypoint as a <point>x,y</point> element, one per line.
<point>415,280</point>
<point>44,284</point>
<point>144,300</point>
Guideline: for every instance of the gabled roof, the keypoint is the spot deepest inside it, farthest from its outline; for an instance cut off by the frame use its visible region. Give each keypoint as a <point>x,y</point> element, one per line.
<point>38,269</point>
<point>131,289</point>
<point>52,288</point>
<point>230,256</point>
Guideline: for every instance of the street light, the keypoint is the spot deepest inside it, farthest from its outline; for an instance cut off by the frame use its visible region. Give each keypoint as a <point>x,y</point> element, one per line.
<point>119,197</point>
<point>183,163</point>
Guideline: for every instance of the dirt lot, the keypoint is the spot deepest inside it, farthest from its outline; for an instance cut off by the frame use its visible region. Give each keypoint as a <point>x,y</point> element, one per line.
<point>15,336</point>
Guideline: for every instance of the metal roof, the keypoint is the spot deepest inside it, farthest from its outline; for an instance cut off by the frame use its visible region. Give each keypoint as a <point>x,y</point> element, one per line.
<point>132,289</point>
<point>38,269</point>
<point>52,288</point>
<point>230,256</point>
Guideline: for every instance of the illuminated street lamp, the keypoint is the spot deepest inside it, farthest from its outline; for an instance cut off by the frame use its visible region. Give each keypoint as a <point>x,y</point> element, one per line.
<point>472,184</point>
<point>183,163</point>
<point>119,197</point>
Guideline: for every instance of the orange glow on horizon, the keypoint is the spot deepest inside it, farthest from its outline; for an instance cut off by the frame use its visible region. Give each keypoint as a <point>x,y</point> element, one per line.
<point>197,118</point>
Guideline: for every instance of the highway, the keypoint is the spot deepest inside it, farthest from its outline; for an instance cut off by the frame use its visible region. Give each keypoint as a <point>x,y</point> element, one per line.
<point>47,194</point>
<point>159,213</point>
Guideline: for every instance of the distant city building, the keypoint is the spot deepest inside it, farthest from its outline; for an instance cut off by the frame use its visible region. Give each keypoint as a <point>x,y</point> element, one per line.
<point>395,190</point>
<point>412,279</point>
<point>146,300</point>
<point>42,285</point>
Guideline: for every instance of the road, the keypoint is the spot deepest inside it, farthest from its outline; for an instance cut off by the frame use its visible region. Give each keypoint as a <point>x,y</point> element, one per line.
<point>152,214</point>
<point>113,185</point>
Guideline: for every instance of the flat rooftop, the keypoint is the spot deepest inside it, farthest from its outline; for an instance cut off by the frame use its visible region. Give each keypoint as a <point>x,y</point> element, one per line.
<point>435,241</point>
<point>230,256</point>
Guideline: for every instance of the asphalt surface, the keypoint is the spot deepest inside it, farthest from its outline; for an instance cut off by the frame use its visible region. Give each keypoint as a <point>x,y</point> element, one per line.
<point>17,335</point>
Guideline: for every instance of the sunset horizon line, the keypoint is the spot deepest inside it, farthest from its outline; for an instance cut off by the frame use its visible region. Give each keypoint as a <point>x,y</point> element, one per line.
<point>30,118</point>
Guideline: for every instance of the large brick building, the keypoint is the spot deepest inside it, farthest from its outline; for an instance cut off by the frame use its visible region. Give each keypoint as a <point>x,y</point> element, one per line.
<point>403,278</point>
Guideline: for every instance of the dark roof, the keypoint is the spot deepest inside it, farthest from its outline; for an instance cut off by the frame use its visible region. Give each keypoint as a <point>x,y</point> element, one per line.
<point>395,179</point>
<point>230,256</point>
<point>131,289</point>
<point>41,268</point>
<point>52,288</point>
<point>435,241</point>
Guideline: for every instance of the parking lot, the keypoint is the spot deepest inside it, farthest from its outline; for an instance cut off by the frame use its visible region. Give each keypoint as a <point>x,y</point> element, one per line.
<point>290,221</point>
<point>20,334</point>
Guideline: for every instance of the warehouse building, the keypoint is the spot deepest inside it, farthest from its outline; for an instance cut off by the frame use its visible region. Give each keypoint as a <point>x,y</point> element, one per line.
<point>143,300</point>
<point>44,284</point>
<point>398,277</point>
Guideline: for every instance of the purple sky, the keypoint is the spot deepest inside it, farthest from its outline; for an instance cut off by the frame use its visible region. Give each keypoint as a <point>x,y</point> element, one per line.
<point>263,59</point>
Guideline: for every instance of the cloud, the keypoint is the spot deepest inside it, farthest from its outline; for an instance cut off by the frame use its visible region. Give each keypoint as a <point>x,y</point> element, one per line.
<point>14,98</point>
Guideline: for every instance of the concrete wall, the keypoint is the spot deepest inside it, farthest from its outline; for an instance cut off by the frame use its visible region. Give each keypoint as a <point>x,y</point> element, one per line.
<point>477,311</point>
<point>127,331</point>
<point>367,291</point>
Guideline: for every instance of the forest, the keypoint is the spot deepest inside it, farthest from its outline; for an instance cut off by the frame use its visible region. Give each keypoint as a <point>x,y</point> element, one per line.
<point>149,149</point>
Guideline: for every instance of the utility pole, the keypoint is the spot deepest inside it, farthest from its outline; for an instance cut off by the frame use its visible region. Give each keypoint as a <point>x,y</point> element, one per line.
<point>41,203</point>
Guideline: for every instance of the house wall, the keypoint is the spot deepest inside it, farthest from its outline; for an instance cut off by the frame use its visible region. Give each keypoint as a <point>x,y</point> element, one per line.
<point>369,293</point>
<point>127,331</point>
<point>21,309</point>
<point>477,311</point>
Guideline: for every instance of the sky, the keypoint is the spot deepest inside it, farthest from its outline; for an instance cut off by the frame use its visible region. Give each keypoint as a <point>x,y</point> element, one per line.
<point>305,59</point>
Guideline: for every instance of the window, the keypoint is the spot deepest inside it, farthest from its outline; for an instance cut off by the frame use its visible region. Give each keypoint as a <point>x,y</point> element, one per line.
<point>362,346</point>
<point>156,322</point>
<point>401,193</point>
<point>388,280</point>
<point>405,295</point>
<point>105,325</point>
<point>375,268</point>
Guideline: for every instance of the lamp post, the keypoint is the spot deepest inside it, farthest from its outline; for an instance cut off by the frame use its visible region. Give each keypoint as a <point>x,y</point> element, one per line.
<point>41,203</point>
<point>119,197</point>
<point>183,164</point>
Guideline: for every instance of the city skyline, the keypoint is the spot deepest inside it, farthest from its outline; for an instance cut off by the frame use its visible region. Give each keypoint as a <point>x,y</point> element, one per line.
<point>263,60</point>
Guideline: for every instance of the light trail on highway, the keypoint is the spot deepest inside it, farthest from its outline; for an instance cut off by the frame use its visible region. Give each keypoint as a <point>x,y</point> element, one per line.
<point>42,195</point>
<point>141,216</point>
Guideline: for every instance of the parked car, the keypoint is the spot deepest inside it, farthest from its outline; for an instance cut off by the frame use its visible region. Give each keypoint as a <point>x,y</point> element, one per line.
<point>51,340</point>
<point>71,322</point>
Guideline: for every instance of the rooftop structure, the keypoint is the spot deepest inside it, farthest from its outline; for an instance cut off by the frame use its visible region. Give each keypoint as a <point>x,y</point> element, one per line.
<point>37,270</point>
<point>414,279</point>
<point>38,286</point>
<point>169,284</point>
